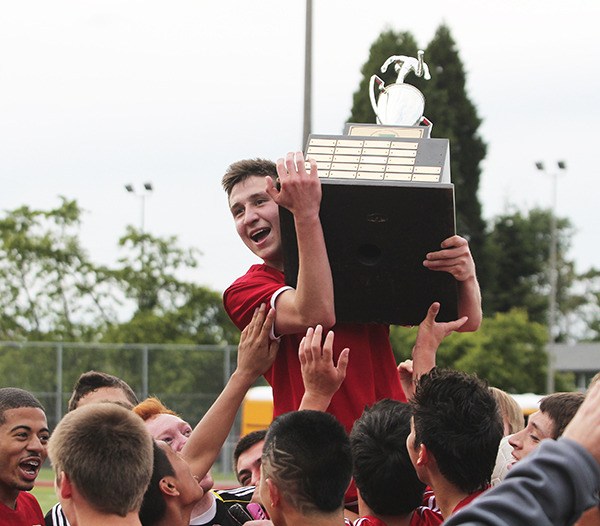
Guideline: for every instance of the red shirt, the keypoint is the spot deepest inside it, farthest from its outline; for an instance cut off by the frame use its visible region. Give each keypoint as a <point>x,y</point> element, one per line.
<point>27,512</point>
<point>371,374</point>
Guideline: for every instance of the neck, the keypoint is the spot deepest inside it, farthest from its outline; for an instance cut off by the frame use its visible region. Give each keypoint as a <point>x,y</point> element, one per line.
<point>447,496</point>
<point>90,517</point>
<point>8,497</point>
<point>314,519</point>
<point>390,520</point>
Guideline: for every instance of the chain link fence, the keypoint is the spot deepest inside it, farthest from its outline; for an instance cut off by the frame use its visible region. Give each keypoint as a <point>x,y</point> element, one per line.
<point>186,378</point>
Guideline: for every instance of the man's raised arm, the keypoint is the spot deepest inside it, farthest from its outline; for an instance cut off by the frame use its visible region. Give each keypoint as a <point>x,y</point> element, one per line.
<point>311,303</point>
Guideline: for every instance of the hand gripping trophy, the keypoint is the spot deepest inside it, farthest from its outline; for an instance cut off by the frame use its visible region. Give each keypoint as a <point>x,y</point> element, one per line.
<point>400,103</point>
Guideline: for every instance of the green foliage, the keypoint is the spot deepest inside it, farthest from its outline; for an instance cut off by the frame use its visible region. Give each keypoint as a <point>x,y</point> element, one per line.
<point>48,287</point>
<point>519,274</point>
<point>448,106</point>
<point>507,351</point>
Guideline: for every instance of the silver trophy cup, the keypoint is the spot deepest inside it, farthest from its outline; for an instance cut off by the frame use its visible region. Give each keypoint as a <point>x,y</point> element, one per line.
<point>399,103</point>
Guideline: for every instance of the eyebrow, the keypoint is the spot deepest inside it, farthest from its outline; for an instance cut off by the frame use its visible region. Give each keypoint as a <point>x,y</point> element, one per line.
<point>27,428</point>
<point>250,197</point>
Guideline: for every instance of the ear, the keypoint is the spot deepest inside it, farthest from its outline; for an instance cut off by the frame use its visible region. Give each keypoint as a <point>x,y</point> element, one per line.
<point>423,456</point>
<point>168,487</point>
<point>64,488</point>
<point>274,493</point>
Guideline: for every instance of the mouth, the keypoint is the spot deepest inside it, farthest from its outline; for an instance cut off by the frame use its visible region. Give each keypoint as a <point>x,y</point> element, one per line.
<point>30,468</point>
<point>261,234</point>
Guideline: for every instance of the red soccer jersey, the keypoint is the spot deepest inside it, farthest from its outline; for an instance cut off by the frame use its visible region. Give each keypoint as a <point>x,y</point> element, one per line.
<point>27,512</point>
<point>371,374</point>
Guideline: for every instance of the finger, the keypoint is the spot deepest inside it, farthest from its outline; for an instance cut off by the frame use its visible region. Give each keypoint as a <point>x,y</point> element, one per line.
<point>282,171</point>
<point>308,344</point>
<point>454,241</point>
<point>327,352</point>
<point>316,342</point>
<point>257,320</point>
<point>342,364</point>
<point>267,324</point>
<point>271,189</point>
<point>290,164</point>
<point>300,163</point>
<point>457,324</point>
<point>302,351</point>
<point>314,172</point>
<point>433,311</point>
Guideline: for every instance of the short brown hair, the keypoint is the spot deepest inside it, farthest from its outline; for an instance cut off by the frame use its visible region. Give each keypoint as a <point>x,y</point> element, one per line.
<point>561,408</point>
<point>241,170</point>
<point>106,451</point>
<point>150,407</point>
<point>92,380</point>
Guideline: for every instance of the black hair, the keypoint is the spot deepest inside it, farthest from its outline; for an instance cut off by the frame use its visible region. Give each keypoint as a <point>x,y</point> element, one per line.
<point>456,417</point>
<point>383,471</point>
<point>307,454</point>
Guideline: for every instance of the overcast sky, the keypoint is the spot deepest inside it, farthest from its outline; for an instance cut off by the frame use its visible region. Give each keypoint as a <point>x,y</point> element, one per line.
<point>98,94</point>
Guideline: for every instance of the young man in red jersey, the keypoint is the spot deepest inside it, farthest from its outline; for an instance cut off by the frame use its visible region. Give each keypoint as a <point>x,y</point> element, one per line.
<point>24,437</point>
<point>372,375</point>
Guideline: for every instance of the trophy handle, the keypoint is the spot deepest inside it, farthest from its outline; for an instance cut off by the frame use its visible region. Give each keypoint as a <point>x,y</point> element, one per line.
<point>380,85</point>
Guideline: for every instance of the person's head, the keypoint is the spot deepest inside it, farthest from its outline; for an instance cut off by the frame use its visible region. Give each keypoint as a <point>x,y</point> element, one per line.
<point>306,465</point>
<point>383,471</point>
<point>555,413</point>
<point>24,435</point>
<point>595,379</point>
<point>255,214</point>
<point>172,486</point>
<point>455,430</point>
<point>102,456</point>
<point>510,411</point>
<point>166,426</point>
<point>96,386</point>
<point>163,423</point>
<point>247,457</point>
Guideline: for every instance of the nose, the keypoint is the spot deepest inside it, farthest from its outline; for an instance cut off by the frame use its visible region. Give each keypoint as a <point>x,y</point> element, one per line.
<point>36,446</point>
<point>178,442</point>
<point>250,216</point>
<point>515,440</point>
<point>255,477</point>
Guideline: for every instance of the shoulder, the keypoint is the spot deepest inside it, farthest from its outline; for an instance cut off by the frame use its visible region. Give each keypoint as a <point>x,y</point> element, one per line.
<point>56,516</point>
<point>258,273</point>
<point>231,496</point>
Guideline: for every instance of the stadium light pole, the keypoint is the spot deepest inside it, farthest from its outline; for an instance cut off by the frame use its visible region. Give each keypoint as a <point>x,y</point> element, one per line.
<point>553,273</point>
<point>148,188</point>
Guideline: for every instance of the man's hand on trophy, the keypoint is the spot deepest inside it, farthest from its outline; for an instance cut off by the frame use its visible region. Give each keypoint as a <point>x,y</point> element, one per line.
<point>455,258</point>
<point>299,190</point>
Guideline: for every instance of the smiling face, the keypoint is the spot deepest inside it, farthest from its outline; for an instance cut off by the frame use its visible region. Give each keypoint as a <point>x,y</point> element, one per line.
<point>256,218</point>
<point>170,429</point>
<point>539,427</point>
<point>23,439</point>
<point>248,465</point>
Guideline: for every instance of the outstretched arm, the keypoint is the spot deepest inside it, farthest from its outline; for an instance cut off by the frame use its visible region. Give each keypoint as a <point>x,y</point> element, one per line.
<point>455,258</point>
<point>311,303</point>
<point>429,336</point>
<point>320,376</point>
<point>256,353</point>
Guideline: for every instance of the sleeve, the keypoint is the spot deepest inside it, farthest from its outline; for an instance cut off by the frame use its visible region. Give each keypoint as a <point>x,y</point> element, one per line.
<point>551,487</point>
<point>247,293</point>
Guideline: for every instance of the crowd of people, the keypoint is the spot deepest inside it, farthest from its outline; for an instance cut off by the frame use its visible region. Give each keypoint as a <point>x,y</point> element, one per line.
<point>356,439</point>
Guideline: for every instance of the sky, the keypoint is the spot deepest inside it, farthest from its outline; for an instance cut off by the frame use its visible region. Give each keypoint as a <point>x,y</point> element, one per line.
<point>96,94</point>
